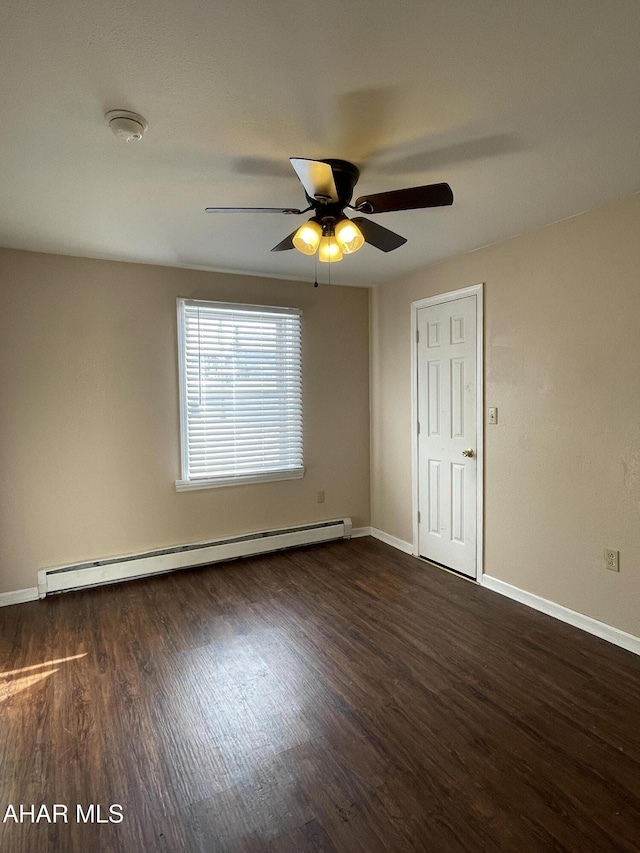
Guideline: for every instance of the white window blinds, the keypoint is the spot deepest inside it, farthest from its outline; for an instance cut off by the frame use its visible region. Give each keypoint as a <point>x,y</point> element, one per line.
<point>241,393</point>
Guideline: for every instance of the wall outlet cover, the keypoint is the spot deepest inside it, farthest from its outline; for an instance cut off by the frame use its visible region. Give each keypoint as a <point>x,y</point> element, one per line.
<point>612,559</point>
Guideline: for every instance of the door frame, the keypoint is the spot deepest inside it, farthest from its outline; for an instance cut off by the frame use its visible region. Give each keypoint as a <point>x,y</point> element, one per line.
<point>477,291</point>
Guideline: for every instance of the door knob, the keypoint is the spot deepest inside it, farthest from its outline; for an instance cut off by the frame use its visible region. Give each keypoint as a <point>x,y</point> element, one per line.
<point>468,453</point>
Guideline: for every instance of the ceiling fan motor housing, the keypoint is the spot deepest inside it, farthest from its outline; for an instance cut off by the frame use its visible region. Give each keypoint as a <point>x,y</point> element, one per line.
<point>346,176</point>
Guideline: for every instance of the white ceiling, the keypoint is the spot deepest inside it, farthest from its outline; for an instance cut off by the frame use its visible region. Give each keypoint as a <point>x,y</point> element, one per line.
<point>528,109</point>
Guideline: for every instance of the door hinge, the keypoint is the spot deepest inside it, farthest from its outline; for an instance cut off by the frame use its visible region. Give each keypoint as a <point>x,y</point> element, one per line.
<point>418,516</point>
<point>418,427</point>
<point>417,336</point>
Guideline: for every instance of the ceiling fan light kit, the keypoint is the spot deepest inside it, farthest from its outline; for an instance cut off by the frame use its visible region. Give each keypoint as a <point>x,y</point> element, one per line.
<point>328,186</point>
<point>125,125</point>
<point>307,237</point>
<point>331,240</point>
<point>329,252</point>
<point>349,236</point>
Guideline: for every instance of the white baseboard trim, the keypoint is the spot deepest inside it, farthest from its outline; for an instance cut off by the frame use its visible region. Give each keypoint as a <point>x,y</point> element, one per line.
<point>400,544</point>
<point>18,596</point>
<point>600,629</point>
<point>357,532</point>
<point>148,563</point>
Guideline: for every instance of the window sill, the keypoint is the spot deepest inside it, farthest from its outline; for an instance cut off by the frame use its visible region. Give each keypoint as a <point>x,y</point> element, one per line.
<point>240,480</point>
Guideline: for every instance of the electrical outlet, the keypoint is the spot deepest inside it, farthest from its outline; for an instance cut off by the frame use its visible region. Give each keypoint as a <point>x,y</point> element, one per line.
<point>612,560</point>
<point>493,415</point>
<point>321,496</point>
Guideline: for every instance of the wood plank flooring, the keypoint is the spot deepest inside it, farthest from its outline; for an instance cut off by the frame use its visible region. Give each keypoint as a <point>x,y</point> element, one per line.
<point>342,697</point>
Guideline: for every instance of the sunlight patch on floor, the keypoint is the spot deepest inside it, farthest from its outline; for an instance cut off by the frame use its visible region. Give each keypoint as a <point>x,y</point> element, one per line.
<point>40,665</point>
<point>10,685</point>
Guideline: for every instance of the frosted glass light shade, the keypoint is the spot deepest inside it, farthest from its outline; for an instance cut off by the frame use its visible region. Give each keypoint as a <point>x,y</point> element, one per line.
<point>307,237</point>
<point>349,236</point>
<point>329,251</point>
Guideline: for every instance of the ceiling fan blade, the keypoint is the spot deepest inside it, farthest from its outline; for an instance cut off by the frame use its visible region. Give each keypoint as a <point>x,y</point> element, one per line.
<point>432,195</point>
<point>317,178</point>
<point>376,235</point>
<point>293,210</point>
<point>285,244</point>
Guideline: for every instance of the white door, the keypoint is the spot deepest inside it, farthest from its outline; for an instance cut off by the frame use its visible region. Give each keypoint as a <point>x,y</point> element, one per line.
<point>447,391</point>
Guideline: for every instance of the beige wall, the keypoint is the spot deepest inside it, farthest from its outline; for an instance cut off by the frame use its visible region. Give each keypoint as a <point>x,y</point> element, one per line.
<point>89,426</point>
<point>562,363</point>
<point>89,445</point>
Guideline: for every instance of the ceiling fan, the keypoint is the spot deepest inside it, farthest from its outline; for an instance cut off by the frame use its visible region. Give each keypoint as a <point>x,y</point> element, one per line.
<point>328,186</point>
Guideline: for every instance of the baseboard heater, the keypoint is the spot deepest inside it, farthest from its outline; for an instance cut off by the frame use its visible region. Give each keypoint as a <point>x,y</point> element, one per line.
<point>114,569</point>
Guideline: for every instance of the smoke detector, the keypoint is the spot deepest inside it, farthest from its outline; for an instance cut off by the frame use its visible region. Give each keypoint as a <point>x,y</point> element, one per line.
<point>128,126</point>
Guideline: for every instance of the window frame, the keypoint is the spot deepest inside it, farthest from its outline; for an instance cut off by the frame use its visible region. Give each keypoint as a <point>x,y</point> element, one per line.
<point>185,483</point>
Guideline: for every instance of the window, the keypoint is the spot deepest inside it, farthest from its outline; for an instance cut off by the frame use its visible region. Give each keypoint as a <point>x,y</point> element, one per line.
<point>240,393</point>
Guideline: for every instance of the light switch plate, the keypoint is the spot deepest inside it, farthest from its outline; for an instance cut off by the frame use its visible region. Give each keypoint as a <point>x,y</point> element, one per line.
<point>493,415</point>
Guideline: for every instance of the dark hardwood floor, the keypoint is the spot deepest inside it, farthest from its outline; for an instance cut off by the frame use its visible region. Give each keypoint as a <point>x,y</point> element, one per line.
<point>342,697</point>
